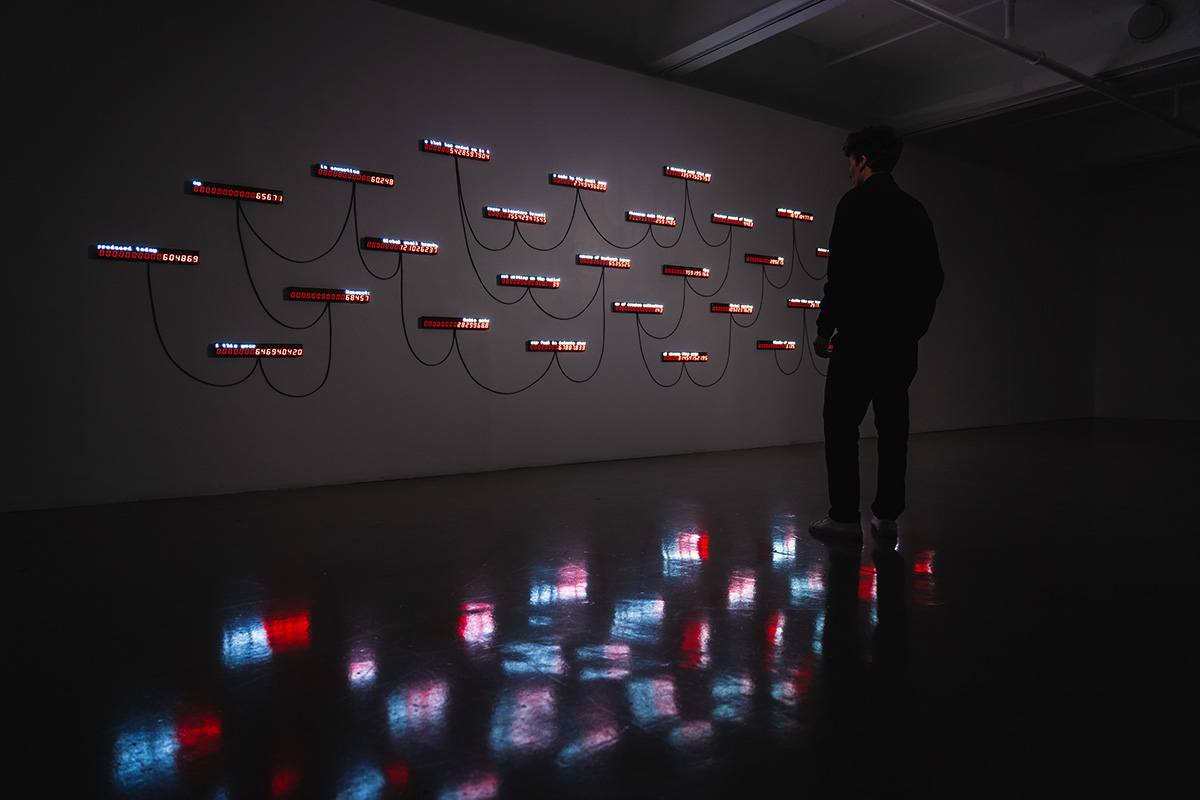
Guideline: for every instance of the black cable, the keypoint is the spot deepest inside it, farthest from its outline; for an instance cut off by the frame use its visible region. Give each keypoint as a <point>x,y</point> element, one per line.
<point>794,369</point>
<point>682,306</point>
<point>762,289</point>
<point>687,196</point>
<point>647,363</point>
<point>786,281</point>
<point>549,364</point>
<point>728,264</point>
<point>462,210</point>
<point>171,358</point>
<point>796,255</point>
<point>570,222</point>
<point>404,328</point>
<point>599,233</point>
<point>806,344</point>
<point>595,292</point>
<point>328,364</point>
<point>603,337</point>
<point>239,215</point>
<point>329,249</point>
<point>682,224</point>
<point>728,357</point>
<point>358,246</point>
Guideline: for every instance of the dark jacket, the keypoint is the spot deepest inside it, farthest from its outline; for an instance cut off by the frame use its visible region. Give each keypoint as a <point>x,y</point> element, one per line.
<point>884,271</point>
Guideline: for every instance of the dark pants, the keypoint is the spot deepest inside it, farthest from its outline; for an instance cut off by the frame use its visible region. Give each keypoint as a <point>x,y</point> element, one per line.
<point>861,375</point>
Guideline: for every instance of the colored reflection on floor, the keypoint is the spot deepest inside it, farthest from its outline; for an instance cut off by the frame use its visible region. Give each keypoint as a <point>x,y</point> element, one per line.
<point>705,646</point>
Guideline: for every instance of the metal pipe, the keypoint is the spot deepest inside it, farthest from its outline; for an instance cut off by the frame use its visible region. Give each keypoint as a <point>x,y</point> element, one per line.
<point>902,36</point>
<point>1010,18</point>
<point>1040,57</point>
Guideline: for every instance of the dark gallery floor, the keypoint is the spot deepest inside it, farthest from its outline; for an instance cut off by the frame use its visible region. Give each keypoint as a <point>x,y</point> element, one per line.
<point>653,628</point>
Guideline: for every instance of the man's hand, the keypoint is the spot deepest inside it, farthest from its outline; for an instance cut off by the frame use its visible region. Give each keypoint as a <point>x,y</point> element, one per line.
<point>822,347</point>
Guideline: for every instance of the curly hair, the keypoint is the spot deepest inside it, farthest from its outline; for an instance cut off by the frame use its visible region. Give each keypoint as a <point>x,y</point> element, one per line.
<point>878,143</point>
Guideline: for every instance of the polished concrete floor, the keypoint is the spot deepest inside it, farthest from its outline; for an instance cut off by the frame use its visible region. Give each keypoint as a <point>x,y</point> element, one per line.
<point>652,628</point>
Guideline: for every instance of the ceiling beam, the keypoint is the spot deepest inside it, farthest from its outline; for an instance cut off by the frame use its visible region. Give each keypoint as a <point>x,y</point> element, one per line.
<point>901,37</point>
<point>748,31</point>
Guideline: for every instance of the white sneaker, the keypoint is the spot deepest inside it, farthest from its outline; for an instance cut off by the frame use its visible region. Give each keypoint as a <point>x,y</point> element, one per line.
<point>884,527</point>
<point>830,527</point>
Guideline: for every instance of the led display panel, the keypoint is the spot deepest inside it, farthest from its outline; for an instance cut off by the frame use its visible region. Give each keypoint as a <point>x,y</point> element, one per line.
<point>255,350</point>
<point>575,181</point>
<point>235,192</point>
<point>791,213</point>
<point>515,214</point>
<point>776,344</point>
<point>823,252</point>
<point>651,218</point>
<point>800,302</point>
<point>616,262</point>
<point>634,307</point>
<point>534,281</point>
<point>770,261</point>
<point>683,355</point>
<point>732,219</point>
<point>320,295</point>
<point>139,252</point>
<point>687,174</point>
<point>459,150</point>
<point>555,346</point>
<point>731,308</point>
<point>686,272</point>
<point>339,172</point>
<point>456,323</point>
<point>399,245</point>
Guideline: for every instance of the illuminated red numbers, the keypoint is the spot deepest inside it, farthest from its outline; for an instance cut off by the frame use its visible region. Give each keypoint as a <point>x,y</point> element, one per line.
<point>651,218</point>
<point>343,173</point>
<point>399,245</point>
<point>675,355</point>
<point>686,272</point>
<point>776,344</point>
<point>235,192</point>
<point>687,174</point>
<point>551,345</point>
<point>592,184</point>
<point>457,150</point>
<point>800,302</point>
<point>631,307</point>
<point>328,295</point>
<point>137,252</point>
<point>534,281</point>
<point>615,262</point>
<point>730,219</point>
<point>770,261</point>
<point>515,214</point>
<point>823,252</point>
<point>455,323</point>
<point>791,213</point>
<point>731,308</point>
<point>255,350</point>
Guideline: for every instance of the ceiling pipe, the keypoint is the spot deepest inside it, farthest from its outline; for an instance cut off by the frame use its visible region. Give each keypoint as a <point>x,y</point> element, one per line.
<point>1040,58</point>
<point>1010,18</point>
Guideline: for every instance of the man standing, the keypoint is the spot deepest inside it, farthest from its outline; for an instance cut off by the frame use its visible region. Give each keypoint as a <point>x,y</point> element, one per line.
<point>883,281</point>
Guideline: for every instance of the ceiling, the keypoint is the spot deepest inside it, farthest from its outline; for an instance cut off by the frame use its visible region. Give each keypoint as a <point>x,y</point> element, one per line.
<point>856,62</point>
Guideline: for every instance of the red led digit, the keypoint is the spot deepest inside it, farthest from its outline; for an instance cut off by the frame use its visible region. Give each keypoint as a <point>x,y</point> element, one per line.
<point>770,261</point>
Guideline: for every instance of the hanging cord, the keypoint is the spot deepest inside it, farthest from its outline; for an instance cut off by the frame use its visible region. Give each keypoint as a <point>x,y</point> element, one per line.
<point>171,358</point>
<point>682,306</point>
<point>596,292</point>
<point>327,251</point>
<point>762,289</point>
<point>806,345</point>
<point>603,337</point>
<point>471,375</point>
<point>239,216</point>
<point>462,210</point>
<point>687,196</point>
<point>600,233</point>
<point>728,263</point>
<point>328,365</point>
<point>647,363</point>
<point>728,356</point>
<point>404,325</point>
<point>574,206</point>
<point>358,246</point>
<point>796,256</point>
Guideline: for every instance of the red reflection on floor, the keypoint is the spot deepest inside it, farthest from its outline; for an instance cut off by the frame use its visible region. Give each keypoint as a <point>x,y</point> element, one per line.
<point>923,563</point>
<point>695,644</point>
<point>287,633</point>
<point>866,582</point>
<point>477,623</point>
<point>397,774</point>
<point>199,733</point>
<point>775,625</point>
<point>285,781</point>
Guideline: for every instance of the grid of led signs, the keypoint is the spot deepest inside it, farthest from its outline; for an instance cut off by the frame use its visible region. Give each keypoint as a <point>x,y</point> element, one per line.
<point>776,344</point>
<point>800,302</point>
<point>759,258</point>
<point>328,295</point>
<point>344,173</point>
<point>686,272</point>
<point>235,192</point>
<point>138,252</point>
<point>651,218</point>
<point>616,262</point>
<point>255,350</point>
<point>732,219</point>
<point>731,308</point>
<point>636,307</point>
<point>687,174</point>
<point>515,214</point>
<point>575,181</point>
<point>555,346</point>
<point>683,355</point>
<point>458,150</point>
<point>399,245</point>
<point>456,323</point>
<point>791,213</point>
<point>534,281</point>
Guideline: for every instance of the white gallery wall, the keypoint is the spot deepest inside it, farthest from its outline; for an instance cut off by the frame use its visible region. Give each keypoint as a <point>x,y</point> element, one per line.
<point>255,93</point>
